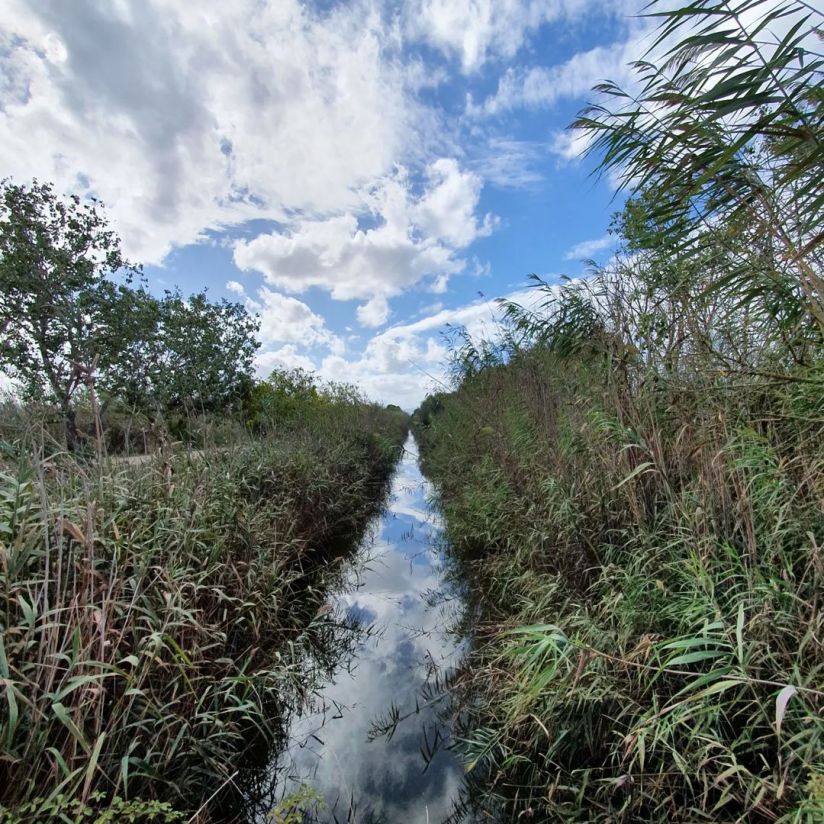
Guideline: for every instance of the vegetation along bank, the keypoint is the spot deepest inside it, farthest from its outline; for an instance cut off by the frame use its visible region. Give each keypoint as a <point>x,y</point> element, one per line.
<point>632,473</point>
<point>168,526</point>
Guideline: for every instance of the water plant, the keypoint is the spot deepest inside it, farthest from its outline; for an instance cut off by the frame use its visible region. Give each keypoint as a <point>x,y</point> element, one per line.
<point>153,612</point>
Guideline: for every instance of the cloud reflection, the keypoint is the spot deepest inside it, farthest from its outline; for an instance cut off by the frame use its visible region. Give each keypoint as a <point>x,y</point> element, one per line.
<point>384,779</point>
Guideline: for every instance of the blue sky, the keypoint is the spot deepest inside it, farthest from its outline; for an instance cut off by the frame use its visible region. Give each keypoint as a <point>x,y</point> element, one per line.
<point>357,173</point>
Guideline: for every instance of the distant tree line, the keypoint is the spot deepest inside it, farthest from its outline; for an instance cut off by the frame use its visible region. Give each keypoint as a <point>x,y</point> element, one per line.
<point>78,323</point>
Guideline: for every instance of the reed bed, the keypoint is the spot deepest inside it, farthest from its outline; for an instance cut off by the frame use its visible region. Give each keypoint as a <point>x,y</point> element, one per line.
<point>651,597</point>
<point>632,472</point>
<point>153,613</point>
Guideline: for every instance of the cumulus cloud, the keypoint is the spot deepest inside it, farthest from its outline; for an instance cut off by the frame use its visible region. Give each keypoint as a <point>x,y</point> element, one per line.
<point>402,363</point>
<point>188,117</point>
<point>234,111</point>
<point>413,236</point>
<point>399,364</point>
<point>191,119</point>
<point>289,332</point>
<point>285,319</point>
<point>286,357</point>
<point>374,312</point>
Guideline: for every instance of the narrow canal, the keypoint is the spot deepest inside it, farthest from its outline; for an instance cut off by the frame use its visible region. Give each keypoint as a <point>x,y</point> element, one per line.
<point>395,595</point>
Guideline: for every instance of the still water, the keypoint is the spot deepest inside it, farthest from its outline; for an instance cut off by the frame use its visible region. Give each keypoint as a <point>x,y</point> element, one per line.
<point>395,591</point>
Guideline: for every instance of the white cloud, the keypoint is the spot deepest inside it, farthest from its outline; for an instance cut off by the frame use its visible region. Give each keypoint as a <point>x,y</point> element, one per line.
<point>403,363</point>
<point>476,316</point>
<point>542,86</point>
<point>374,312</point>
<point>479,30</point>
<point>284,319</point>
<point>570,145</point>
<point>188,117</point>
<point>287,357</point>
<point>588,248</point>
<point>291,323</point>
<point>414,236</point>
<point>446,210</point>
<point>509,163</point>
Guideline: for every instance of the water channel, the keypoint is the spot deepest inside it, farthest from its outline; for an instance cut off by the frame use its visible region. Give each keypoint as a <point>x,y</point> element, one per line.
<point>396,593</point>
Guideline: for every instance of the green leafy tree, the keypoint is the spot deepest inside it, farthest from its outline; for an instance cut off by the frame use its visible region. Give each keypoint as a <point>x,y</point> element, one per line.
<point>298,383</point>
<point>280,398</point>
<point>62,319</point>
<point>341,392</point>
<point>73,322</point>
<point>198,358</point>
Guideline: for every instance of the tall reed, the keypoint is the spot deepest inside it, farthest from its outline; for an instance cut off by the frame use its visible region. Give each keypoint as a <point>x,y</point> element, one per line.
<point>632,473</point>
<point>152,613</point>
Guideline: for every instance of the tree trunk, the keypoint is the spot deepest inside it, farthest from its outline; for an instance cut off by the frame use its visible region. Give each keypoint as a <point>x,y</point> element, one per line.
<point>70,425</point>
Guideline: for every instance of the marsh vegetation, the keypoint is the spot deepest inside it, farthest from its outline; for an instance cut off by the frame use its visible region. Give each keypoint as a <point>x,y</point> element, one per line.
<point>153,611</point>
<point>632,470</point>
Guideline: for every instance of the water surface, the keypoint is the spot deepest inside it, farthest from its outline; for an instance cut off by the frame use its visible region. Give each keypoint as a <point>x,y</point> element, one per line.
<point>395,591</point>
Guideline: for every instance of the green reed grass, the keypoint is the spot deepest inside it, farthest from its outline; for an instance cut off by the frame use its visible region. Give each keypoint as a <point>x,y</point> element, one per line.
<point>650,567</point>
<point>152,614</point>
<point>632,473</point>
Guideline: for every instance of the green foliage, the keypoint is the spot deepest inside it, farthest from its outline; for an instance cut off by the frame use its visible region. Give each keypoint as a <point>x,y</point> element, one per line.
<point>74,330</point>
<point>291,396</point>
<point>632,472</point>
<point>97,810</point>
<point>649,565</point>
<point>61,317</point>
<point>196,357</point>
<point>294,809</point>
<point>726,128</point>
<point>153,612</point>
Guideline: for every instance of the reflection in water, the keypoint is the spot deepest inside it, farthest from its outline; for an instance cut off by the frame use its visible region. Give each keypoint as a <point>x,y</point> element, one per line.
<point>405,646</point>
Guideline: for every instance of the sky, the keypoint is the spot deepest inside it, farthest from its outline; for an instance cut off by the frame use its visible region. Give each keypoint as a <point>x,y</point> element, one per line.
<point>360,174</point>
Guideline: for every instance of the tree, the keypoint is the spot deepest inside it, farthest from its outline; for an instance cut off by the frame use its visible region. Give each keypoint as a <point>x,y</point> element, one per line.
<point>61,318</point>
<point>204,353</point>
<point>297,382</point>
<point>72,319</point>
<point>196,356</point>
